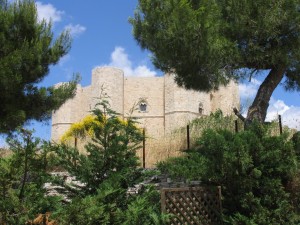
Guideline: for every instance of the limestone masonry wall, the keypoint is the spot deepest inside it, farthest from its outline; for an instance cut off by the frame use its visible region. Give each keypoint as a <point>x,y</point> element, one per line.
<point>159,103</point>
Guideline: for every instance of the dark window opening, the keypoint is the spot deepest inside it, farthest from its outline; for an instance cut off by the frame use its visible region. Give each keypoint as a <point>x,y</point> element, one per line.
<point>200,109</point>
<point>143,107</point>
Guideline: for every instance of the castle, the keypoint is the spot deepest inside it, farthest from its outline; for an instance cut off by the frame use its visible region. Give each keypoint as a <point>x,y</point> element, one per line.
<point>162,106</point>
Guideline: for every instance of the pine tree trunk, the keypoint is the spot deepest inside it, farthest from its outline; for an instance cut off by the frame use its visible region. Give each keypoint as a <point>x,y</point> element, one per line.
<point>258,109</point>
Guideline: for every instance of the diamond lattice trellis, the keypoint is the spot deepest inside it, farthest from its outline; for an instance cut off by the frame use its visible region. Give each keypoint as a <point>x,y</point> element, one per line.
<point>192,205</point>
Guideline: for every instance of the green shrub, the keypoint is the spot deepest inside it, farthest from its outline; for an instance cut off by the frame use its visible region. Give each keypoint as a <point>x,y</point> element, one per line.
<point>111,205</point>
<point>108,168</point>
<point>22,176</point>
<point>144,209</point>
<point>100,208</point>
<point>296,142</point>
<point>110,152</point>
<point>253,169</point>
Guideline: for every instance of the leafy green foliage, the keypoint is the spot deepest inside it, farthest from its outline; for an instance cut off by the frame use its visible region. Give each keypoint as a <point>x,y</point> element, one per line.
<point>187,168</point>
<point>206,43</point>
<point>215,120</point>
<point>22,176</point>
<point>253,169</point>
<point>111,151</point>
<point>27,50</point>
<point>206,38</point>
<point>99,208</point>
<point>111,205</point>
<point>294,185</point>
<point>185,37</point>
<point>144,209</point>
<point>107,169</point>
<point>296,141</point>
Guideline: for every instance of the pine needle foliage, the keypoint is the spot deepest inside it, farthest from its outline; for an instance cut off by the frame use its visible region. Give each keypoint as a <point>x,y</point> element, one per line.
<point>107,169</point>
<point>22,177</point>
<point>27,51</point>
<point>111,205</point>
<point>112,149</point>
<point>252,167</point>
<point>206,43</point>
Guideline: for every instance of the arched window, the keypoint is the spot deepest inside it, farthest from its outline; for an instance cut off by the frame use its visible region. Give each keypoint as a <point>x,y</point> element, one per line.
<point>200,108</point>
<point>143,107</point>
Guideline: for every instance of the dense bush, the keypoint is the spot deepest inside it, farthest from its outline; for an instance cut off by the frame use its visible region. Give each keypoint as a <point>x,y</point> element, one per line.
<point>110,152</point>
<point>106,170</point>
<point>296,142</point>
<point>253,169</point>
<point>108,167</point>
<point>22,176</point>
<point>111,205</point>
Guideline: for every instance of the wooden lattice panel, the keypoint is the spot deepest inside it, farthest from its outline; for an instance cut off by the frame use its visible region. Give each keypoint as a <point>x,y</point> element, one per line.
<point>192,205</point>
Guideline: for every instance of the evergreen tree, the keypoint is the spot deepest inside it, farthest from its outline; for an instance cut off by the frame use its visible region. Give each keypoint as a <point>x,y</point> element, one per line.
<point>22,178</point>
<point>27,50</point>
<point>208,42</point>
<point>111,152</point>
<point>107,169</point>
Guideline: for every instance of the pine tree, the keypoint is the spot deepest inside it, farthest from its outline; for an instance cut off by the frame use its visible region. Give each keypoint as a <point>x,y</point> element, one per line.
<point>110,152</point>
<point>27,50</point>
<point>208,42</point>
<point>22,177</point>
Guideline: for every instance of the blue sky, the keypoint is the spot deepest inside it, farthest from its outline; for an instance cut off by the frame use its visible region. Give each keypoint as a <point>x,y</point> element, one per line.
<point>102,35</point>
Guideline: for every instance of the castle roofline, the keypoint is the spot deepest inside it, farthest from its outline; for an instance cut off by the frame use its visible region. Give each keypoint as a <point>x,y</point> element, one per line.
<point>107,68</point>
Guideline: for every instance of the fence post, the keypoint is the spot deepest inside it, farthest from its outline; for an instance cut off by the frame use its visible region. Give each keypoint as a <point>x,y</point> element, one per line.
<point>75,142</point>
<point>144,147</point>
<point>280,124</point>
<point>236,126</point>
<point>163,199</point>
<point>188,136</point>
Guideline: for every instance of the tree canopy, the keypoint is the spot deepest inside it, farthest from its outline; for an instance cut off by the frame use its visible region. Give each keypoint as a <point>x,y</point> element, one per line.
<point>27,50</point>
<point>208,42</point>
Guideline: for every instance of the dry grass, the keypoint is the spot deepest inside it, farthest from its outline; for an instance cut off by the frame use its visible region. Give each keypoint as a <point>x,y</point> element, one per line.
<point>174,144</point>
<point>4,152</point>
<point>162,148</point>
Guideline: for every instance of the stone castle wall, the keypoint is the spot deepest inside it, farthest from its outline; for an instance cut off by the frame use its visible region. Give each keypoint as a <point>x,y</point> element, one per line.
<point>167,105</point>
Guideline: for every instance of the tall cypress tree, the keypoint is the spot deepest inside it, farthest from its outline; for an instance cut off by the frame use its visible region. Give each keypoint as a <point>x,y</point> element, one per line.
<point>27,50</point>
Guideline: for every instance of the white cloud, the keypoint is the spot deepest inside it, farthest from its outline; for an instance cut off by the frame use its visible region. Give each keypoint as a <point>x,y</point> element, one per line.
<point>290,114</point>
<point>119,58</point>
<point>276,107</point>
<point>48,12</point>
<point>75,30</point>
<point>291,117</point>
<point>249,90</point>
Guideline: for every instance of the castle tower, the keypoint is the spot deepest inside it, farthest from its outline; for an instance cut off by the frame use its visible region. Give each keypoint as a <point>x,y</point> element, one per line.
<point>225,98</point>
<point>108,80</point>
<point>71,111</point>
<point>181,105</point>
<point>104,80</point>
<point>145,96</point>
